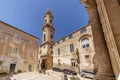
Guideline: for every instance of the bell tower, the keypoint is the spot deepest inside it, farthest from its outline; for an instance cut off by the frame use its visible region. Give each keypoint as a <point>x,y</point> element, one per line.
<point>47,41</point>
<point>48,28</point>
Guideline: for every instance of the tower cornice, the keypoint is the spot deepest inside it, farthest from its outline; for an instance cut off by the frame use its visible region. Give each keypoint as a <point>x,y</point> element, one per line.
<point>47,43</point>
<point>48,25</point>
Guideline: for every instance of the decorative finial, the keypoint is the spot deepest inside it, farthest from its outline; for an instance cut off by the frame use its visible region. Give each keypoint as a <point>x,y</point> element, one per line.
<point>48,12</point>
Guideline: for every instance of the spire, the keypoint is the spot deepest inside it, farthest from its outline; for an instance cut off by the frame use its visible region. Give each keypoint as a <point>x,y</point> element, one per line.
<point>48,12</point>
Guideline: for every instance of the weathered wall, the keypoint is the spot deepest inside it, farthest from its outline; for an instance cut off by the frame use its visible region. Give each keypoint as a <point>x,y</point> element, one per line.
<point>101,59</point>
<point>109,12</point>
<point>26,45</point>
<point>65,54</point>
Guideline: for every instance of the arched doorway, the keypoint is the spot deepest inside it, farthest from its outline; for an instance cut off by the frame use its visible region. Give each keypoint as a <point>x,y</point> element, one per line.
<point>43,64</point>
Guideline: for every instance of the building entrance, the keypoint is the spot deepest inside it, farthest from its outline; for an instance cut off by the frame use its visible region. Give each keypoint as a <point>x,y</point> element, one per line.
<point>43,64</point>
<point>30,67</point>
<point>12,68</point>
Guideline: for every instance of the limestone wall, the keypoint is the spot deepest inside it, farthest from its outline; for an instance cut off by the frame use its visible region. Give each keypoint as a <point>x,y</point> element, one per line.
<point>65,54</point>
<point>27,46</point>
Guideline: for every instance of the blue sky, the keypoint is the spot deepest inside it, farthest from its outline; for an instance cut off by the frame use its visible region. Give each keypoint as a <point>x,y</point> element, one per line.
<point>27,15</point>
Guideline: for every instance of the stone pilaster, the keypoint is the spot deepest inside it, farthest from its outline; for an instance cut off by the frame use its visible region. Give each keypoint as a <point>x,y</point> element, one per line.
<point>102,63</point>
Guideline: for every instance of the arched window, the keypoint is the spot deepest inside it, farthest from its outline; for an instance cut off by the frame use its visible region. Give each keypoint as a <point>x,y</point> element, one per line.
<point>51,36</point>
<point>50,21</point>
<point>45,20</point>
<point>85,43</point>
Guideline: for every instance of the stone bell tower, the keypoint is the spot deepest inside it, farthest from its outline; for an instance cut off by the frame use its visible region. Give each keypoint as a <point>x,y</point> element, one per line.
<point>47,41</point>
<point>48,29</point>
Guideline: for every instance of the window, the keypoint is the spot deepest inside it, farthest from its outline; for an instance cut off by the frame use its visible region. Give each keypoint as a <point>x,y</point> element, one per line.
<point>71,48</point>
<point>51,36</point>
<point>83,31</point>
<point>44,46</point>
<point>85,43</point>
<point>59,62</point>
<point>31,54</point>
<point>51,47</point>
<point>51,21</point>
<point>44,37</point>
<point>17,37</point>
<point>45,20</point>
<point>70,36</point>
<point>72,62</point>
<point>15,50</point>
<point>58,51</point>
<point>86,56</point>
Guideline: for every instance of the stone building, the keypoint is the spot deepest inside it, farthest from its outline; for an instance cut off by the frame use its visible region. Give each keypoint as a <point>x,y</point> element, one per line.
<point>47,41</point>
<point>104,19</point>
<point>74,51</point>
<point>18,49</point>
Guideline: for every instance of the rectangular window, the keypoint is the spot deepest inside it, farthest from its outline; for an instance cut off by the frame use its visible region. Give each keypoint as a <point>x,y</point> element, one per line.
<point>72,62</point>
<point>15,50</point>
<point>71,48</point>
<point>87,56</point>
<point>44,37</point>
<point>17,38</point>
<point>58,51</point>
<point>59,62</point>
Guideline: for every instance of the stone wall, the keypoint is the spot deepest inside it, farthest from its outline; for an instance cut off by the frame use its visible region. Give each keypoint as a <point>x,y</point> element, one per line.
<point>27,48</point>
<point>65,55</point>
<point>103,35</point>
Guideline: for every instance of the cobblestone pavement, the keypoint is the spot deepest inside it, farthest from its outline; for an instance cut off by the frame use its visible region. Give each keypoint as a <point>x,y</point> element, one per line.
<point>5,77</point>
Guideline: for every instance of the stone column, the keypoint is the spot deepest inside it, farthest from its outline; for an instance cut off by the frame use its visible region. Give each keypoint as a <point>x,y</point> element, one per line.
<point>102,63</point>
